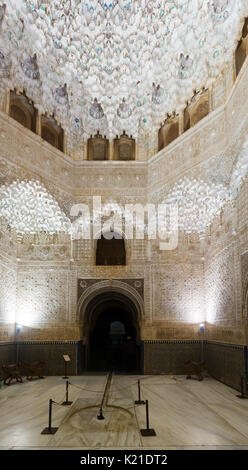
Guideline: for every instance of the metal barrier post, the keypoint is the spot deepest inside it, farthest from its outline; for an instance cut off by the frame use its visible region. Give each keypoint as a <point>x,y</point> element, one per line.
<point>50,430</point>
<point>100,416</point>
<point>147,431</point>
<point>139,401</point>
<point>66,402</point>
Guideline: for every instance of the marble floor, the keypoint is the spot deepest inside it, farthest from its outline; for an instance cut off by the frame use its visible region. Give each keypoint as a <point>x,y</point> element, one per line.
<point>185,414</point>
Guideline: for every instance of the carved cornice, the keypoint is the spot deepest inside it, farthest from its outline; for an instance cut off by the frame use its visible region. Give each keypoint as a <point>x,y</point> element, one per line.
<point>219,136</point>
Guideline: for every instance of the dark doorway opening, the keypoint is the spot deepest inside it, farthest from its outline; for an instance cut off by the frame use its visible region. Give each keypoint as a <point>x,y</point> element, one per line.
<point>113,335</point>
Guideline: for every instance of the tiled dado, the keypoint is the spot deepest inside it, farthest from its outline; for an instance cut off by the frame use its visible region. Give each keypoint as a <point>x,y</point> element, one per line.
<point>7,353</point>
<point>52,354</point>
<point>49,352</point>
<point>168,357</point>
<point>223,361</point>
<point>226,362</point>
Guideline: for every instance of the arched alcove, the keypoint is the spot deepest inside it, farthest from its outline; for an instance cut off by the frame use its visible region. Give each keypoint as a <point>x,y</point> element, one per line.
<point>124,148</point>
<point>201,110</point>
<point>22,110</point>
<point>52,132</point>
<point>100,306</point>
<point>197,109</point>
<point>168,132</point>
<point>98,148</point>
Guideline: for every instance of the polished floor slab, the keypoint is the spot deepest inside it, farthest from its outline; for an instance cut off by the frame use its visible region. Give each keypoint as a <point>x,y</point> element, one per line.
<point>186,414</point>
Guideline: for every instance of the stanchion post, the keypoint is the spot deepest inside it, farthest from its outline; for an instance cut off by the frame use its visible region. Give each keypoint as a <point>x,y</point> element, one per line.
<point>243,394</point>
<point>139,401</point>
<point>50,430</point>
<point>66,402</point>
<point>147,431</point>
<point>66,359</point>
<point>65,377</point>
<point>100,416</point>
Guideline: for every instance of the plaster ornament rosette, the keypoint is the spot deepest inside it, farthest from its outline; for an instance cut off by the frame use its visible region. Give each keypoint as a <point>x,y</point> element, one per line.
<point>110,61</point>
<point>29,208</point>
<point>198,202</point>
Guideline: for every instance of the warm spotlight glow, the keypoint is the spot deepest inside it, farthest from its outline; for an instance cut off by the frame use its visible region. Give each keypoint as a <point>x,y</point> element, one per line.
<point>24,316</point>
<point>8,307</point>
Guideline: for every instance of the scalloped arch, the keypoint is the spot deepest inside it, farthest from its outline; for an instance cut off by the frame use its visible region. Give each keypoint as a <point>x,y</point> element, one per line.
<point>105,286</point>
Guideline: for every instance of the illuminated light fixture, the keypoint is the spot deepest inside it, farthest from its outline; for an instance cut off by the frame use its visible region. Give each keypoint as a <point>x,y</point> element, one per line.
<point>202,328</point>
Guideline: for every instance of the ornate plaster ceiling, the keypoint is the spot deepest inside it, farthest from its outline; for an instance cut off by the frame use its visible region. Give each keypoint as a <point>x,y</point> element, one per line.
<point>28,207</point>
<point>200,195</point>
<point>116,65</point>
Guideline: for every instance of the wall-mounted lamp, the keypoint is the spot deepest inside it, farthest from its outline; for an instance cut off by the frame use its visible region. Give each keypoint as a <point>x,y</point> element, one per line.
<point>18,329</point>
<point>202,328</point>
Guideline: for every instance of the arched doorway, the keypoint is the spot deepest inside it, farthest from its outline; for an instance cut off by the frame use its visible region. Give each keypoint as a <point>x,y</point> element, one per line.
<point>112,334</point>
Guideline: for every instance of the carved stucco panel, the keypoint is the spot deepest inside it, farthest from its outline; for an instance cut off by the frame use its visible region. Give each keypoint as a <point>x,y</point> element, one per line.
<point>8,293</point>
<point>178,293</point>
<point>220,285</point>
<point>42,295</point>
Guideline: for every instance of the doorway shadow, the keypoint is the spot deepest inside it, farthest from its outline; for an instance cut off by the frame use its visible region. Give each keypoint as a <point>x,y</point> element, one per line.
<point>113,335</point>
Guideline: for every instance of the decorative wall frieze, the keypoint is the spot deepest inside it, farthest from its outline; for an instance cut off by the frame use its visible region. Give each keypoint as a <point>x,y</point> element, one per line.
<point>137,284</point>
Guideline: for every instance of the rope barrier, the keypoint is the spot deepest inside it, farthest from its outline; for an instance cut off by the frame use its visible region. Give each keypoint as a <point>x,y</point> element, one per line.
<point>119,387</point>
<point>58,404</point>
<point>86,389</point>
<point>107,406</point>
<point>104,403</point>
<point>116,407</point>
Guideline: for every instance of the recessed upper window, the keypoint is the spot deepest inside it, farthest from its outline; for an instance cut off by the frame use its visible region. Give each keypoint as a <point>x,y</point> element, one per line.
<point>124,148</point>
<point>110,250</point>
<point>168,132</point>
<point>22,110</point>
<point>196,110</point>
<point>98,148</point>
<point>52,132</point>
